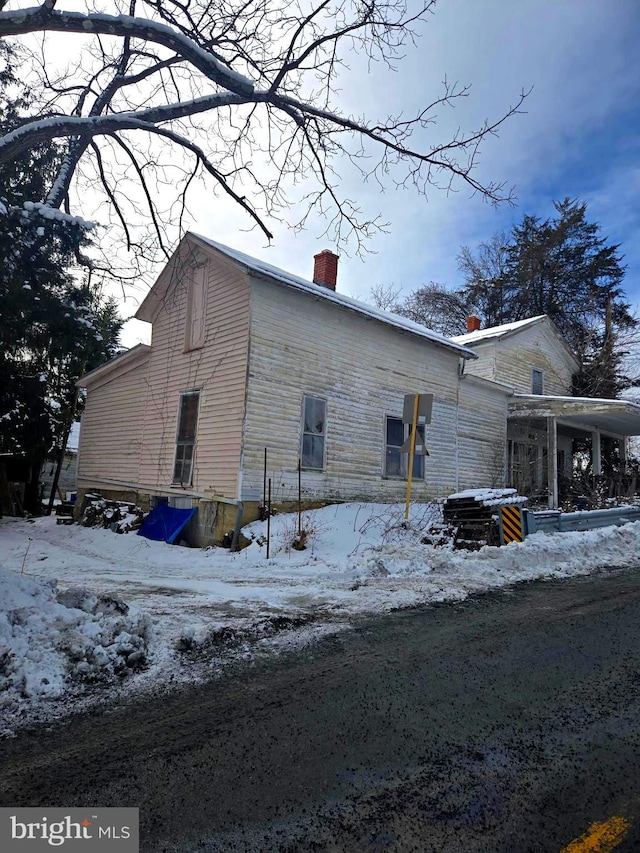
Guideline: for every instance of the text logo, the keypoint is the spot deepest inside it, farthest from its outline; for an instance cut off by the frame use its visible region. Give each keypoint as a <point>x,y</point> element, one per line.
<point>101,830</point>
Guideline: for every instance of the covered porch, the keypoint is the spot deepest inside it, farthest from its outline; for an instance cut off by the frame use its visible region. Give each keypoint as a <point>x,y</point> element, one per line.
<point>540,438</point>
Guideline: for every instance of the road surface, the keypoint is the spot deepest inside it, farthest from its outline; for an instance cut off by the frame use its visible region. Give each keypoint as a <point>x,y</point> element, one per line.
<point>509,722</point>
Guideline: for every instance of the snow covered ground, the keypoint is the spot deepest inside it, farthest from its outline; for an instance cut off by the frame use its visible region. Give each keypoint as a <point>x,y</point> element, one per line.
<point>190,609</point>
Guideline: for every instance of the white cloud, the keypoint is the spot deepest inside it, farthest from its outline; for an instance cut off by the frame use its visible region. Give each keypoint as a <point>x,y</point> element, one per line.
<point>580,59</point>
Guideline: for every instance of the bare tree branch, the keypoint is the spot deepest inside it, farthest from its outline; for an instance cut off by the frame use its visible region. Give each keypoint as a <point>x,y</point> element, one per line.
<point>247,91</point>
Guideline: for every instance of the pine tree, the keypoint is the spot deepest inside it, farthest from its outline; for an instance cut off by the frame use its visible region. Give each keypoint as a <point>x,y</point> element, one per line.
<point>564,268</point>
<point>54,326</point>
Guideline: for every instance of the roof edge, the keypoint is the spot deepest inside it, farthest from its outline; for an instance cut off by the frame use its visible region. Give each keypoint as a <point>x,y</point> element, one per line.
<point>114,364</point>
<point>480,380</point>
<point>282,278</point>
<point>526,398</point>
<point>525,324</point>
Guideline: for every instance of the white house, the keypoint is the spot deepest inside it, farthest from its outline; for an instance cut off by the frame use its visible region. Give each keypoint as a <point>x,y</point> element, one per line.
<point>246,358</point>
<point>543,418</point>
<point>252,370</point>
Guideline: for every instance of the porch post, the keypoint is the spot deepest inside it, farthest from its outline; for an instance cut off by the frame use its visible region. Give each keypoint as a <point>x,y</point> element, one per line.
<point>595,453</point>
<point>623,454</point>
<point>552,461</point>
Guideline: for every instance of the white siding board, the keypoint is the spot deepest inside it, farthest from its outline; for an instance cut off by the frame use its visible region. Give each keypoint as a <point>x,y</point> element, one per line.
<point>217,370</point>
<point>511,358</point>
<point>485,365</point>
<point>111,438</point>
<point>482,432</point>
<point>300,345</point>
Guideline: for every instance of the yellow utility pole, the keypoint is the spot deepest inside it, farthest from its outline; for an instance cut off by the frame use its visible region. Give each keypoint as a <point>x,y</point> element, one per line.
<point>412,451</point>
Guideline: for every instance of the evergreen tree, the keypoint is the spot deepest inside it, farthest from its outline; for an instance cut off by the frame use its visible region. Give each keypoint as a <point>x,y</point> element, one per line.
<point>564,268</point>
<point>54,326</point>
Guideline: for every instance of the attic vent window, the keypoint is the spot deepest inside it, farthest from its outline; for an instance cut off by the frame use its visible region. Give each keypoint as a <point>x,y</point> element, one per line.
<point>196,305</point>
<point>537,381</point>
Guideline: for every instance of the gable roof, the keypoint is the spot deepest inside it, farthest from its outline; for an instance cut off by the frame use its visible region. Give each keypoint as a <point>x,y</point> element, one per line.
<point>495,333</point>
<point>278,276</point>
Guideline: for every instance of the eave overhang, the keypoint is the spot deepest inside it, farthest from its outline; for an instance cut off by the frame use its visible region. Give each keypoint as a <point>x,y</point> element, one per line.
<point>619,417</point>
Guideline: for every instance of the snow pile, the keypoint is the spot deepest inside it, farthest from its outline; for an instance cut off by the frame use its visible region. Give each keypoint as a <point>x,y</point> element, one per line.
<point>460,573</point>
<point>50,639</point>
<point>205,604</point>
<point>337,532</point>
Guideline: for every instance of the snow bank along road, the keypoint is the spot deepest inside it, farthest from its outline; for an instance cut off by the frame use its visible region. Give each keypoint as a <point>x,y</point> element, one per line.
<point>85,607</point>
<point>509,722</point>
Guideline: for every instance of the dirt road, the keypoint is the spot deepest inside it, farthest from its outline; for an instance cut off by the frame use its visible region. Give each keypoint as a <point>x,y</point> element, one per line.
<point>510,722</point>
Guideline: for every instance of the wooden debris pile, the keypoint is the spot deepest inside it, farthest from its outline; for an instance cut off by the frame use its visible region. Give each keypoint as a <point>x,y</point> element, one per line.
<point>119,516</point>
<point>473,516</point>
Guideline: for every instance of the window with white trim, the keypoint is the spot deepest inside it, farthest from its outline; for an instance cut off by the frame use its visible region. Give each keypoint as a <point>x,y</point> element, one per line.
<point>196,308</point>
<point>314,432</point>
<point>537,381</point>
<point>396,462</point>
<point>186,438</point>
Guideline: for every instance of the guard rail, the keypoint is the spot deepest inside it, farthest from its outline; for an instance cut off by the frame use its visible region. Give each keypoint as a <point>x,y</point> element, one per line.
<point>555,521</point>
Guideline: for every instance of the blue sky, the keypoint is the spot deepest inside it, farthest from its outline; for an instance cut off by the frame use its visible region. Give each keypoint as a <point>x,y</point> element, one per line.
<point>579,137</point>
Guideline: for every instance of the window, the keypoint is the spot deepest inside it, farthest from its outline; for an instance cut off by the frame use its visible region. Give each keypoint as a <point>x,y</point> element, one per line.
<point>314,430</point>
<point>537,381</point>
<point>395,461</point>
<point>196,300</point>
<point>186,438</point>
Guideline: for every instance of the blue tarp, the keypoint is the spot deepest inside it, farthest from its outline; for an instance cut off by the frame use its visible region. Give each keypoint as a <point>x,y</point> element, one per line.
<point>164,523</point>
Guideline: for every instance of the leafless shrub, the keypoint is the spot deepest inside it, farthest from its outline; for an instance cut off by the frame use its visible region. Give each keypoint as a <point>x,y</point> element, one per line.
<point>389,526</point>
<point>299,537</point>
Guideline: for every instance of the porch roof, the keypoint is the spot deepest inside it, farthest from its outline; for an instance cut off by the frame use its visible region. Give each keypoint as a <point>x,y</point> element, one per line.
<point>621,417</point>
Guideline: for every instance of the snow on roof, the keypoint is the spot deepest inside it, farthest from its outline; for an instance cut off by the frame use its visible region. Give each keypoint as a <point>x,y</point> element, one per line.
<point>264,269</point>
<point>621,403</point>
<point>620,417</point>
<point>496,331</point>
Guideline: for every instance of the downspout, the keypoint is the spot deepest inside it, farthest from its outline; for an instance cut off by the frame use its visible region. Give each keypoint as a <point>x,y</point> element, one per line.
<point>238,501</point>
<point>461,366</point>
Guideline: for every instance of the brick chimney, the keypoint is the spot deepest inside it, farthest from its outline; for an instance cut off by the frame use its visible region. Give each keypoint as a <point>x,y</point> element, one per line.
<point>325,269</point>
<point>473,323</point>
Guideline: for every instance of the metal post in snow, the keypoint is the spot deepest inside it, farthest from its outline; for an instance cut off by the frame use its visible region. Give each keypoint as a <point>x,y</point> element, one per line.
<point>269,518</point>
<point>412,451</point>
<point>264,480</point>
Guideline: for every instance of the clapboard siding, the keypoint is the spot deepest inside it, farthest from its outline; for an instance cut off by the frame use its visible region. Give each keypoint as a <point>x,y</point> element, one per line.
<point>111,434</point>
<point>535,346</point>
<point>485,364</point>
<point>300,345</point>
<point>217,370</point>
<point>482,432</point>
<point>510,359</point>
